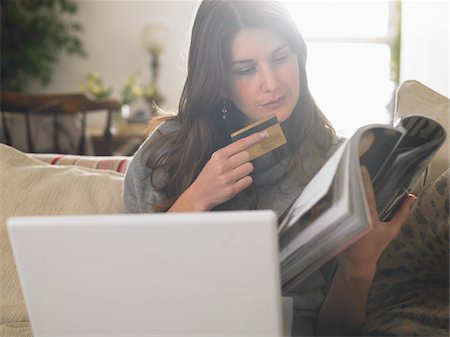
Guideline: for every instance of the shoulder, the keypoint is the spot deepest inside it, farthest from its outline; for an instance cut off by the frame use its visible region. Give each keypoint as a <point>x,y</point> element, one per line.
<point>138,190</point>
<point>152,143</point>
<point>164,128</point>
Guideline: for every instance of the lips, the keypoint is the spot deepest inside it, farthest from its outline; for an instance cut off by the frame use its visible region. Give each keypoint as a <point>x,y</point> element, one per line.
<point>274,102</point>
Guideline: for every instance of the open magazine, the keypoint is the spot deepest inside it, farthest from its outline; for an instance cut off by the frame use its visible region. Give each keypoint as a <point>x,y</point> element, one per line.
<point>332,212</point>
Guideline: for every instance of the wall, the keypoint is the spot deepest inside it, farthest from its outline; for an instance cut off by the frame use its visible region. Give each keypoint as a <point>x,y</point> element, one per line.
<point>425,43</point>
<point>112,39</point>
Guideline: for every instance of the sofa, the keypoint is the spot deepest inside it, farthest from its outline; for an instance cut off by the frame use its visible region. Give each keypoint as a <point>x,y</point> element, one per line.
<point>410,294</point>
<point>46,184</point>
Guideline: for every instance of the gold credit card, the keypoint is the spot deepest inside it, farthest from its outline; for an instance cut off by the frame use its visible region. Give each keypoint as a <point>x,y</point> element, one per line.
<point>275,139</point>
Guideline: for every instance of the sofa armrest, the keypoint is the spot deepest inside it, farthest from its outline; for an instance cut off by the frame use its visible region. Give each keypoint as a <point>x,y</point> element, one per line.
<point>113,163</point>
<point>31,187</point>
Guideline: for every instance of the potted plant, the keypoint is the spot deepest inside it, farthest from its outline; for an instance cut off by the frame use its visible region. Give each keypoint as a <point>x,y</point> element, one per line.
<point>34,33</point>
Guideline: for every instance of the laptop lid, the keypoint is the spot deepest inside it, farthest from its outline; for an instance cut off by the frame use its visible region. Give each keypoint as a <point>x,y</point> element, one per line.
<point>177,274</point>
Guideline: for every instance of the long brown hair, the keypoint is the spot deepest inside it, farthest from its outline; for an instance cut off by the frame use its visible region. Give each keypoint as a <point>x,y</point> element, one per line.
<point>202,130</point>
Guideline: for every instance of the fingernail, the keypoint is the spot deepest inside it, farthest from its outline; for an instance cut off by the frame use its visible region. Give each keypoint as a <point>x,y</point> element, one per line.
<point>365,171</point>
<point>264,134</point>
<point>412,197</point>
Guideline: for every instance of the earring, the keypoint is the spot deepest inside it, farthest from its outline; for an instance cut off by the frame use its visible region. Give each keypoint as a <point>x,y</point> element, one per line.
<point>224,109</point>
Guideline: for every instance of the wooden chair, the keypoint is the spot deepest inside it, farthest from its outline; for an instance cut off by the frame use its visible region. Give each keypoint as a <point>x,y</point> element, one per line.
<point>55,105</point>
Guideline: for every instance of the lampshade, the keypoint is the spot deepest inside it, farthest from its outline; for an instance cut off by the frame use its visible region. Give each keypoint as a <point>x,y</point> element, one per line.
<point>154,38</point>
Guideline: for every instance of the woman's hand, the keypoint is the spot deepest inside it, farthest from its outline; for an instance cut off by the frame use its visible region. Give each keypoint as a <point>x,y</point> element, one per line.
<point>344,309</point>
<point>223,177</point>
<point>360,259</point>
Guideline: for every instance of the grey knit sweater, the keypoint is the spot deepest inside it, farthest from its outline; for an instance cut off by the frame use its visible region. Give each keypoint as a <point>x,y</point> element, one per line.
<point>274,190</point>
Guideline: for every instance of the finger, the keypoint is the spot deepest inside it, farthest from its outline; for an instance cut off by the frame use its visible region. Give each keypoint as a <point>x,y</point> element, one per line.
<point>230,177</point>
<point>225,165</point>
<point>370,195</point>
<point>243,144</point>
<point>241,171</point>
<point>243,183</point>
<point>238,159</point>
<point>400,216</point>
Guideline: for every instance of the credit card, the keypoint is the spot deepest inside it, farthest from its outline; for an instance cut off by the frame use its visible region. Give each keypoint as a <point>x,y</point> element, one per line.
<point>275,139</point>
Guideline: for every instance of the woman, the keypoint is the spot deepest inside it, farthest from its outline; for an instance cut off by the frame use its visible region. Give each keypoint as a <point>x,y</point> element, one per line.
<point>246,63</point>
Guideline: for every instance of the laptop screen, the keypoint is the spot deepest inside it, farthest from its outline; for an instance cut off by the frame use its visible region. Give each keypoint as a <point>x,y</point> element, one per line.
<point>177,274</point>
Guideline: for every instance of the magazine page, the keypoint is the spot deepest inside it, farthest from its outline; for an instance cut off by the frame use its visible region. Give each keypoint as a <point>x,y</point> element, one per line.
<point>330,226</point>
<point>405,168</point>
<point>309,243</point>
<point>313,222</point>
<point>367,139</point>
<point>333,212</point>
<point>325,224</point>
<point>316,189</point>
<point>380,142</point>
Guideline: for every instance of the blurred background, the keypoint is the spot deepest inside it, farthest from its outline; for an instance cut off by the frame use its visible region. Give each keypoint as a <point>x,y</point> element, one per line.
<point>135,53</point>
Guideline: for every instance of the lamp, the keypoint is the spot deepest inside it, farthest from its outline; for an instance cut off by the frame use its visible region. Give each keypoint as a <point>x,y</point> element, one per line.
<point>154,38</point>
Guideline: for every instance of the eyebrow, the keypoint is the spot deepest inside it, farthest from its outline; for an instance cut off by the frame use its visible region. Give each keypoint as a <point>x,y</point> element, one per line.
<point>250,60</point>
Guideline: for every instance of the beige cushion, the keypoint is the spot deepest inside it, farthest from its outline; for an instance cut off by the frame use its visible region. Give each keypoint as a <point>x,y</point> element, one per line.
<point>410,293</point>
<point>414,97</point>
<point>31,187</point>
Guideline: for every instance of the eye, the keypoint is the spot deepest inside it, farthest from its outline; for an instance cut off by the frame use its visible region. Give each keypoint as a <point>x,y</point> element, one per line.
<point>246,71</point>
<point>281,59</point>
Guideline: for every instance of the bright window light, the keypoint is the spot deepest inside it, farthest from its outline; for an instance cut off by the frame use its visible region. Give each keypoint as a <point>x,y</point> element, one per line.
<point>348,66</point>
<point>341,18</point>
<point>350,82</point>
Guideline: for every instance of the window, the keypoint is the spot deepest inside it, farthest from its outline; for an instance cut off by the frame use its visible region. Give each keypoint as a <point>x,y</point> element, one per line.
<point>352,58</point>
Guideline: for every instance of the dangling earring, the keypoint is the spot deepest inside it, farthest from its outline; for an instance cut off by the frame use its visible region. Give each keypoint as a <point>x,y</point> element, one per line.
<point>224,109</point>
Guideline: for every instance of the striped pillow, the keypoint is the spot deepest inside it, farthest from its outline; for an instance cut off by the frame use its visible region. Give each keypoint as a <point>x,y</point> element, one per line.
<point>114,163</point>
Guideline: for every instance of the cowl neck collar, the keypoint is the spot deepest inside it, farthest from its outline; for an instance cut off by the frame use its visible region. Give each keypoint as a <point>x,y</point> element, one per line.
<point>268,169</point>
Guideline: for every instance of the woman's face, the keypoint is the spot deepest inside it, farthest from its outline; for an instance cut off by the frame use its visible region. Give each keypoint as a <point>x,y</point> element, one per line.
<point>264,77</point>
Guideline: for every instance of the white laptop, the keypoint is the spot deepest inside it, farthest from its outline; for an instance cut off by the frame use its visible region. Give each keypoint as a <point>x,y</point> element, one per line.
<point>173,274</point>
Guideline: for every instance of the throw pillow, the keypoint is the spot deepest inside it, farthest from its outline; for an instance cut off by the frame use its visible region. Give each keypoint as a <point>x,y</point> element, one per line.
<point>30,187</point>
<point>410,293</point>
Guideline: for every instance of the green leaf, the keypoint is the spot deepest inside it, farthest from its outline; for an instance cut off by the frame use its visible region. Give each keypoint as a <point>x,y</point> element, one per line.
<point>34,34</point>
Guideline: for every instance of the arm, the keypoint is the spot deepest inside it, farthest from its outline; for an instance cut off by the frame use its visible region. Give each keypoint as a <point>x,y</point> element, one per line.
<point>344,309</point>
<point>223,177</point>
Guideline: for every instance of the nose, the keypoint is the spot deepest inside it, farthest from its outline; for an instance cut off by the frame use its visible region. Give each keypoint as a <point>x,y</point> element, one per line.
<point>269,79</point>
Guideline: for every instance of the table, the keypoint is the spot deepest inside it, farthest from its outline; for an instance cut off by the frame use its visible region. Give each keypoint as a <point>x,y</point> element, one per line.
<point>125,139</point>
